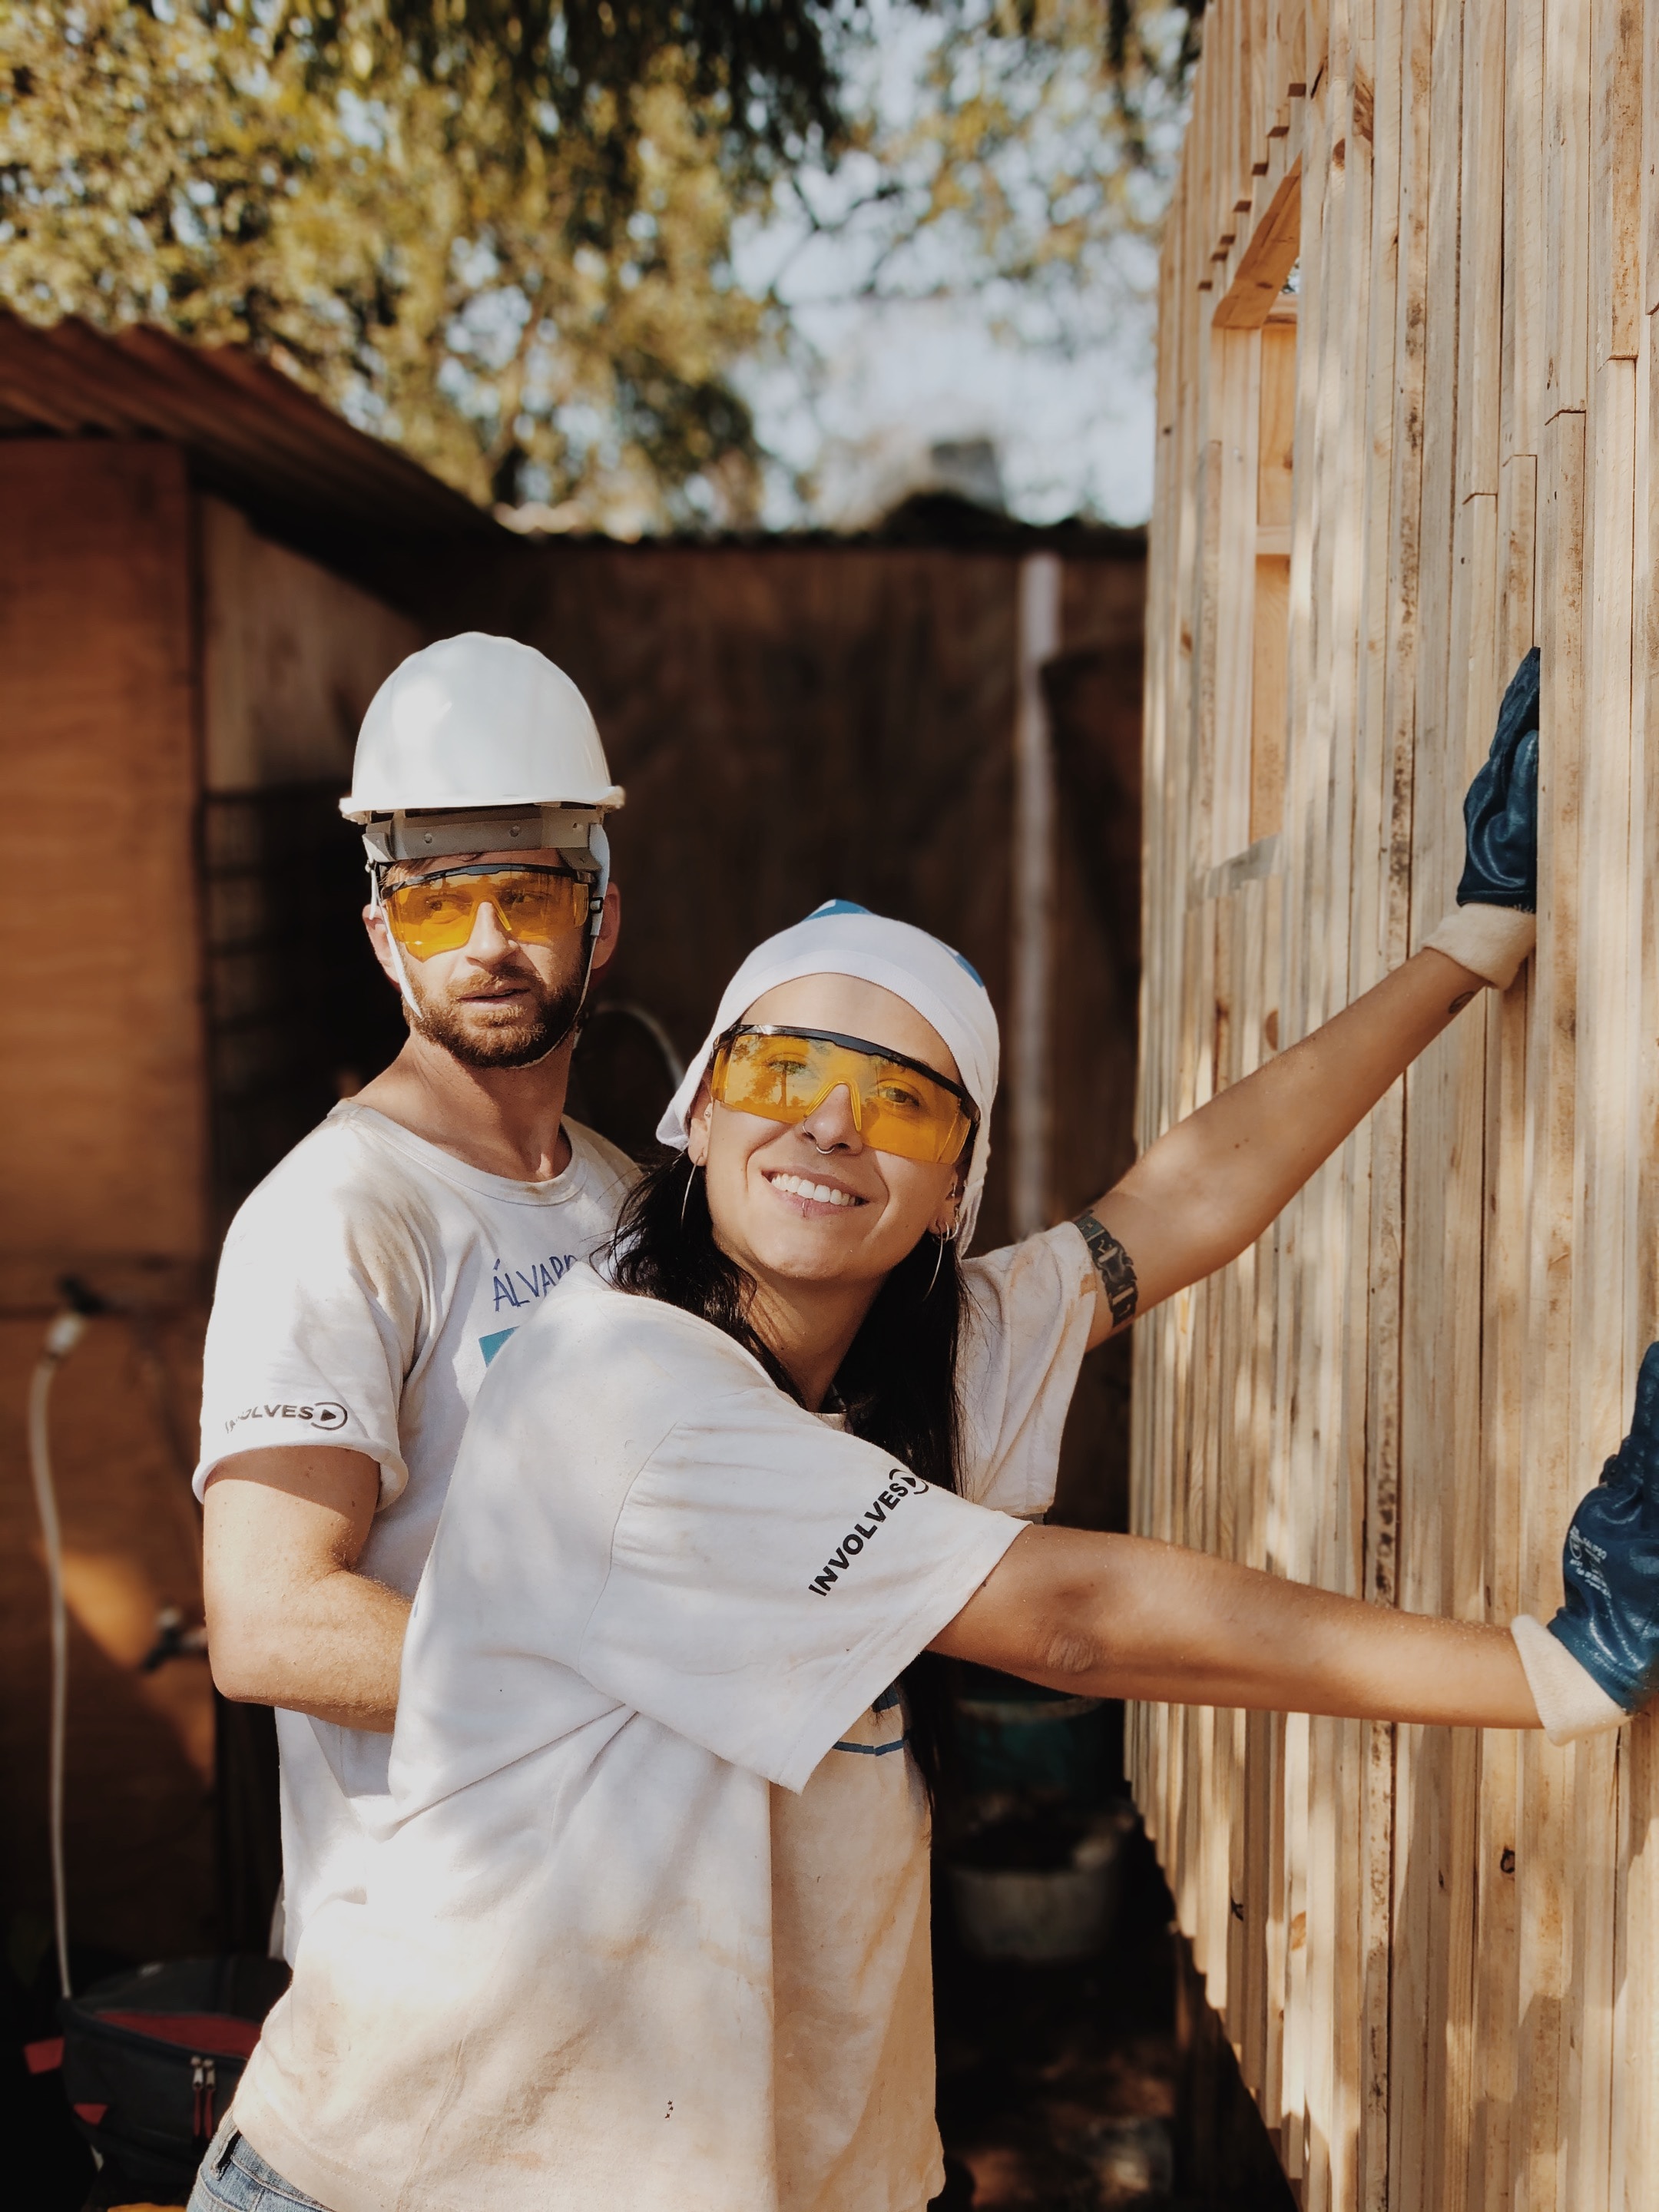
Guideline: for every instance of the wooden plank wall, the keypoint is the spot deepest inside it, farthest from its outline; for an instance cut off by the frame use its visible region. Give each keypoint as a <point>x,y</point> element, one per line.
<point>1437,1956</point>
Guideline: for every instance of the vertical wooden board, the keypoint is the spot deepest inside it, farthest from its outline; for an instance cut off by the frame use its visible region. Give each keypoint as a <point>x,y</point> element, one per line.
<point>1441,1344</point>
<point>1616,301</point>
<point>1259,1728</point>
<point>1295,37</point>
<point>1197,1004</point>
<point>1247,62</point>
<point>1237,1534</point>
<point>1235,416</point>
<point>1603,1200</point>
<point>1229,129</point>
<point>1318,33</point>
<point>1159,1348</point>
<point>1522,365</point>
<point>99,687</point>
<point>1481,285</point>
<point>1503,1385</point>
<point>1636,2145</point>
<point>1472,690</point>
<point>1293,2063</point>
<point>1548,1475</point>
<point>1342,1565</point>
<point>1337,451</point>
<point>1218,153</point>
<point>1208,797</point>
<point>1380,915</point>
<point>1205,1841</point>
<point>1631,2149</point>
<point>1567,205</point>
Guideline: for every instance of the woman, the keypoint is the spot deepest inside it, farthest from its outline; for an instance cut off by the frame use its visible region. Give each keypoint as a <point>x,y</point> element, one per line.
<point>648,1925</point>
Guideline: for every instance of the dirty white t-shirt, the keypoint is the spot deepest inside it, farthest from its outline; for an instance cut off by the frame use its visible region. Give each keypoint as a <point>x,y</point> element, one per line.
<point>364,1288</point>
<point>647,1931</point>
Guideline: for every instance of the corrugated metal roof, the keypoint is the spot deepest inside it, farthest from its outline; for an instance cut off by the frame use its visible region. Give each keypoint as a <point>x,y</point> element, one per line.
<point>251,432</point>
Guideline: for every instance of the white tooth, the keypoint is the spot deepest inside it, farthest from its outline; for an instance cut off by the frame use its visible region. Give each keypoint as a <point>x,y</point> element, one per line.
<point>824,1195</point>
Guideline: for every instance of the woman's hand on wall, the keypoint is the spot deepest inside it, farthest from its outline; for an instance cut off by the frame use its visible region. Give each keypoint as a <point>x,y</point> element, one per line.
<point>1597,1662</point>
<point>1493,926</point>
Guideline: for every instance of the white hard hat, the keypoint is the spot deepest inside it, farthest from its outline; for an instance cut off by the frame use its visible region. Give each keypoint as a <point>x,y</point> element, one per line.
<point>478,744</point>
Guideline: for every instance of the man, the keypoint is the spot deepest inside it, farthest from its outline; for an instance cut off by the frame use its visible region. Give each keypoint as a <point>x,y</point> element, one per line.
<point>368,1283</point>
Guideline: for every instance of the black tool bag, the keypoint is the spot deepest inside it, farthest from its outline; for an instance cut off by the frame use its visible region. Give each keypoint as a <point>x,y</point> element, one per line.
<point>151,2061</point>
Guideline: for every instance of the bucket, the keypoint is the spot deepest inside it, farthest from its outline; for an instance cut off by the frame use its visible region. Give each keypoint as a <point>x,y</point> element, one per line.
<point>1017,1739</point>
<point>1044,1892</point>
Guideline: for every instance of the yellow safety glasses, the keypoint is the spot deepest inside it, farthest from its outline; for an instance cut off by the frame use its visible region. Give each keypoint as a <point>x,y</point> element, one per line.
<point>533,905</point>
<point>898,1104</point>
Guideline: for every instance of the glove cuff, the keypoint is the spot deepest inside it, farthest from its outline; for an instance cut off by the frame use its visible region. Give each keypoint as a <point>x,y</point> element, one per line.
<point>1491,941</point>
<point>1570,1702</point>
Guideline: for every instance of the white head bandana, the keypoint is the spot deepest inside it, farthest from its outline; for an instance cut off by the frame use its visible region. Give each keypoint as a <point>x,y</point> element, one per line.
<point>841,938</point>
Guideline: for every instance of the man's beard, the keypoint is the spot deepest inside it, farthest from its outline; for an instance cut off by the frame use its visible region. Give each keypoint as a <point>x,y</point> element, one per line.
<point>515,1037</point>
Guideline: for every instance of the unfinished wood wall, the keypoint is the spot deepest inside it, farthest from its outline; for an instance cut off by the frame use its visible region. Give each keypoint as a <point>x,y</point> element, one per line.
<point>1437,1955</point>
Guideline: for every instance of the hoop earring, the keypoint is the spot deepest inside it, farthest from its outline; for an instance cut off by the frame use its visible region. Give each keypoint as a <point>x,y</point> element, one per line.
<point>939,1243</point>
<point>690,1177</point>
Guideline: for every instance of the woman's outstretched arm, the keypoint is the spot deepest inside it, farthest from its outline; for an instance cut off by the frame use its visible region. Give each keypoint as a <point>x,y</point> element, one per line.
<point>1210,1186</point>
<point>1123,1617</point>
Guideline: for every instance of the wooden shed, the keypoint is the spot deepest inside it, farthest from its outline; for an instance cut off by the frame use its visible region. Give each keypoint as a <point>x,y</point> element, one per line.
<point>1405,432</point>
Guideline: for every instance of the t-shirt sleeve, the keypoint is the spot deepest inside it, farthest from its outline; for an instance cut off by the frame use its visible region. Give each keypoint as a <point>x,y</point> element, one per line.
<point>769,1577</point>
<point>311,1335</point>
<point>1031,1308</point>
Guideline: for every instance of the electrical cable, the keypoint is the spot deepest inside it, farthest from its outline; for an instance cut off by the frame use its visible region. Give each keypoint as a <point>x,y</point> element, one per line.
<point>64,1333</point>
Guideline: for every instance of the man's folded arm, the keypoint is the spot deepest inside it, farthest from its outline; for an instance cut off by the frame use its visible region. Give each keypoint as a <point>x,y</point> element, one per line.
<point>291,1621</point>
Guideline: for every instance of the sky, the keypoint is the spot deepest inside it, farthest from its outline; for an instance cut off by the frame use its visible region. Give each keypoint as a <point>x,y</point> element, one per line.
<point>1062,388</point>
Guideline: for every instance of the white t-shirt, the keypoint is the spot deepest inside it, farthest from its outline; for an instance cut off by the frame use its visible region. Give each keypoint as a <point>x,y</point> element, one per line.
<point>647,1927</point>
<point>364,1289</point>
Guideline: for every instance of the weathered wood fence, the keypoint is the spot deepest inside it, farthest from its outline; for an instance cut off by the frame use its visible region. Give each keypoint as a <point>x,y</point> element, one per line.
<point>1406,377</point>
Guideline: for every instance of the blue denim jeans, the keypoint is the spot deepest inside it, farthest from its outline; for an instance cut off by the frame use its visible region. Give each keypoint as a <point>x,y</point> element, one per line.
<point>235,2179</point>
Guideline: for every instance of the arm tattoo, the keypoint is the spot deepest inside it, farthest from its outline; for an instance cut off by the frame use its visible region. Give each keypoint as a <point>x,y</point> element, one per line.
<point>1114,1268</point>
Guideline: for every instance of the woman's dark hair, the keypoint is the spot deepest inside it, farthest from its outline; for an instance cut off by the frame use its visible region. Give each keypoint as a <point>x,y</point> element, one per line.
<point>898,1385</point>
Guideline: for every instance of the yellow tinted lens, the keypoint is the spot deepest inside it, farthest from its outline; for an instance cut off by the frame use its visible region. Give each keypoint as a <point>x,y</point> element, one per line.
<point>906,1114</point>
<point>895,1108</point>
<point>432,917</point>
<point>533,906</point>
<point>780,1078</point>
<point>538,910</point>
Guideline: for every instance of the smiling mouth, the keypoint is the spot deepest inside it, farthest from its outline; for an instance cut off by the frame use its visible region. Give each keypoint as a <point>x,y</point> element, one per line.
<point>818,1194</point>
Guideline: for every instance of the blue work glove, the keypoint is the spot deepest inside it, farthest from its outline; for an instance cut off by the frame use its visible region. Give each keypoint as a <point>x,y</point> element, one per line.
<point>1500,812</point>
<point>1610,1622</point>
